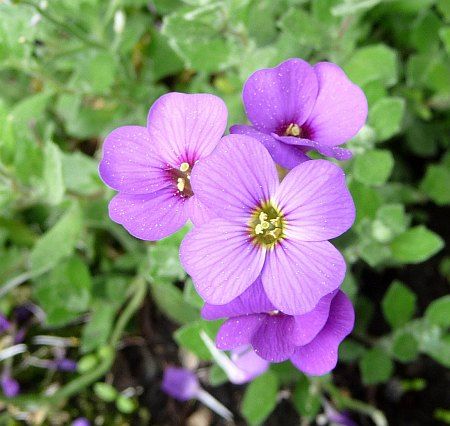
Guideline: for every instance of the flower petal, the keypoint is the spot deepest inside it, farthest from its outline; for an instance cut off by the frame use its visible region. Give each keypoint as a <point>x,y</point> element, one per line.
<point>197,212</point>
<point>276,97</point>
<point>248,361</point>
<point>149,217</point>
<point>272,341</point>
<point>221,260</point>
<point>251,301</point>
<point>186,127</point>
<point>327,150</point>
<point>307,326</point>
<point>283,154</point>
<point>315,201</point>
<point>320,356</point>
<point>296,274</point>
<point>340,109</point>
<point>238,331</point>
<point>130,163</point>
<point>236,178</point>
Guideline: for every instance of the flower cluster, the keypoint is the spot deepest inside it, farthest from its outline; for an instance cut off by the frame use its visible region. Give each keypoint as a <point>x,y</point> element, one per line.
<point>259,252</point>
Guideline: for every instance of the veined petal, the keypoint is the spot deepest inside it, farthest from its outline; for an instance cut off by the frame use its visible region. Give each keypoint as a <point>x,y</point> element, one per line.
<point>273,341</point>
<point>197,212</point>
<point>251,301</point>
<point>238,331</point>
<point>297,274</point>
<point>307,144</point>
<point>221,260</point>
<point>186,127</point>
<point>276,97</point>
<point>340,109</point>
<point>236,178</point>
<point>320,356</point>
<point>307,326</point>
<point>315,201</point>
<point>283,154</point>
<point>149,217</point>
<point>130,163</point>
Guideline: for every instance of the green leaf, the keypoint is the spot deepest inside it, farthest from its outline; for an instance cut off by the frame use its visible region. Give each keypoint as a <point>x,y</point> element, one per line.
<point>170,300</point>
<point>425,32</point>
<point>350,351</point>
<point>304,27</point>
<point>260,398</point>
<point>53,178</point>
<point>64,293</point>
<point>376,367</point>
<point>105,391</point>
<point>306,398</point>
<point>367,200</point>
<point>416,245</point>
<point>386,117</point>
<point>376,62</point>
<point>57,243</point>
<point>405,347</point>
<point>436,183</point>
<point>80,174</point>
<point>374,167</point>
<point>399,304</point>
<point>390,221</point>
<point>444,34</point>
<point>96,72</point>
<point>164,258</point>
<point>188,336</point>
<point>96,332</point>
<point>438,312</point>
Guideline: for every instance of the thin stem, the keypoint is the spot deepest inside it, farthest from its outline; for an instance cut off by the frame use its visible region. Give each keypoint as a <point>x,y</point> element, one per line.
<point>355,405</point>
<point>212,403</point>
<point>15,282</point>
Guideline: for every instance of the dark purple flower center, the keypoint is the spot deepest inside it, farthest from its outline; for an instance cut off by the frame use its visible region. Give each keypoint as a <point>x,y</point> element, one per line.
<point>266,225</point>
<point>181,178</point>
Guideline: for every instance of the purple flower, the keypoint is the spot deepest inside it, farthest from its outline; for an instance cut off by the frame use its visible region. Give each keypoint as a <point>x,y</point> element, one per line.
<point>337,418</point>
<point>81,421</point>
<point>9,385</point>
<point>248,361</point>
<point>63,364</point>
<point>296,107</point>
<point>183,385</point>
<point>150,166</point>
<point>180,383</point>
<point>278,231</point>
<point>4,324</point>
<point>310,341</point>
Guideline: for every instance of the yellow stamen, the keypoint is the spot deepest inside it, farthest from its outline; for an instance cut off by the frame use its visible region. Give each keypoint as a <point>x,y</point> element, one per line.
<point>184,167</point>
<point>180,184</point>
<point>258,229</point>
<point>293,130</point>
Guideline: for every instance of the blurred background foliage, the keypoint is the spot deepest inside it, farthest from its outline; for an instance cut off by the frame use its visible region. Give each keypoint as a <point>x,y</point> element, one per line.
<point>76,287</point>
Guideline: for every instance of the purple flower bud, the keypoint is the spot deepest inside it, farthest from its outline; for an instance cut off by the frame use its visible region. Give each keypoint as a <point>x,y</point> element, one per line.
<point>4,324</point>
<point>180,383</point>
<point>22,313</point>
<point>81,421</point>
<point>338,418</point>
<point>65,364</point>
<point>10,386</point>
<point>20,335</point>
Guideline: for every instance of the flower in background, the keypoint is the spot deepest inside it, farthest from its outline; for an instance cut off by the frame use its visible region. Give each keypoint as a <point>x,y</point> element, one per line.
<point>183,385</point>
<point>4,324</point>
<point>151,166</point>
<point>263,227</point>
<point>296,107</point>
<point>81,421</point>
<point>9,385</point>
<point>310,341</point>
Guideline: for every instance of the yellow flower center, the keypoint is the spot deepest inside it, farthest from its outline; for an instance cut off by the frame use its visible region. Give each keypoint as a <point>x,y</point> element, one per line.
<point>182,178</point>
<point>293,130</point>
<point>266,225</point>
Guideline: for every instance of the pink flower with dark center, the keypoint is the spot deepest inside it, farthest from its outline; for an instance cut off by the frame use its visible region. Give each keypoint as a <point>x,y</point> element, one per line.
<point>310,341</point>
<point>151,166</point>
<point>278,231</point>
<point>296,107</point>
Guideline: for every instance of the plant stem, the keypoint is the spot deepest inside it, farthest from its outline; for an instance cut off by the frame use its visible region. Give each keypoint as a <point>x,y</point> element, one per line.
<point>355,405</point>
